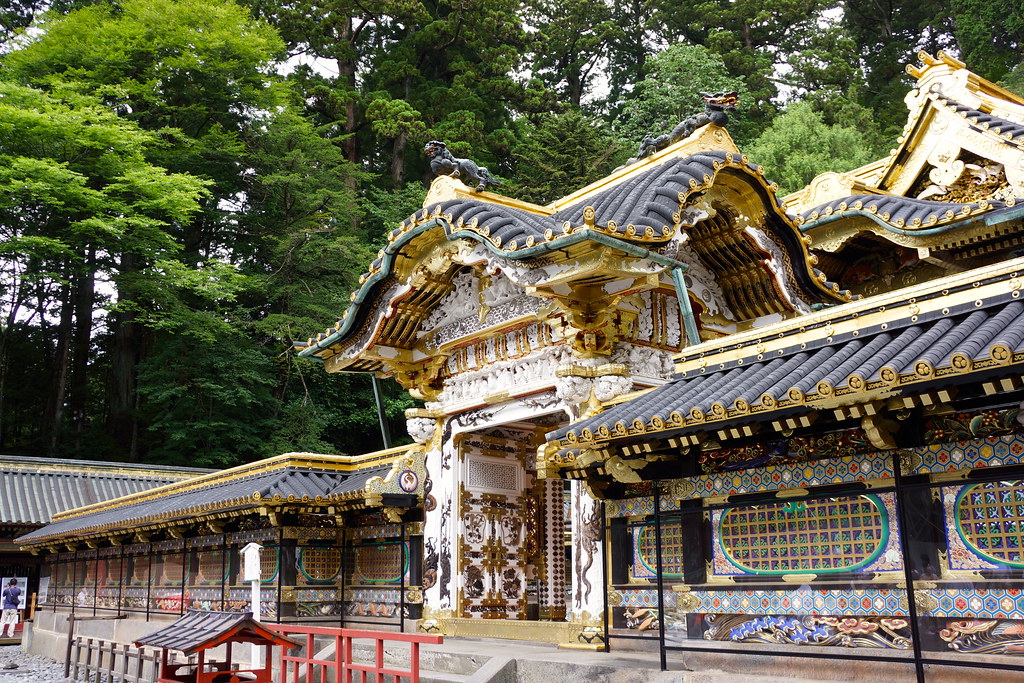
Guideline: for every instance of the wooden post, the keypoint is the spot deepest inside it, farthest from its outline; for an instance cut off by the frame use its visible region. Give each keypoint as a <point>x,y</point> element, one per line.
<point>71,637</point>
<point>88,657</point>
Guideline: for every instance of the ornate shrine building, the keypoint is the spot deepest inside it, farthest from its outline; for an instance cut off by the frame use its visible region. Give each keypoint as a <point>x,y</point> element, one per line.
<point>668,410</point>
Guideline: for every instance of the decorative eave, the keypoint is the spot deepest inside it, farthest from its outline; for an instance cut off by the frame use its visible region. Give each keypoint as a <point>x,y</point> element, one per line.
<point>951,110</point>
<point>946,333</point>
<point>293,481</point>
<point>621,214</point>
<point>909,222</point>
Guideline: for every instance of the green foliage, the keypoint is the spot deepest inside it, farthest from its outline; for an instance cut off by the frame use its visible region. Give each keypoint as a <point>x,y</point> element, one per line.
<point>384,210</point>
<point>561,154</point>
<point>671,89</point>
<point>156,167</point>
<point>571,39</point>
<point>209,405</point>
<point>73,174</point>
<point>888,36</point>
<point>799,145</point>
<point>990,35</point>
<point>1014,81</point>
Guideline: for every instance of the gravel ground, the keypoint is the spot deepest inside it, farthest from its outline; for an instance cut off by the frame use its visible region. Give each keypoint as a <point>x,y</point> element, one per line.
<point>31,668</point>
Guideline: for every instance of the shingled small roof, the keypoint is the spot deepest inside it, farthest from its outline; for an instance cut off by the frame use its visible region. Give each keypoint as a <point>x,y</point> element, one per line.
<point>198,630</point>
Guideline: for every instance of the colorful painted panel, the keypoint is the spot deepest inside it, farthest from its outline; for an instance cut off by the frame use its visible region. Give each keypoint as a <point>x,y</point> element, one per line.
<point>821,536</point>
<point>645,557</point>
<point>976,603</point>
<point>860,467</point>
<point>853,632</point>
<point>320,564</point>
<point>317,602</point>
<point>868,602</point>
<point>991,451</point>
<point>382,563</point>
<point>636,507</point>
<point>370,602</point>
<point>985,525</point>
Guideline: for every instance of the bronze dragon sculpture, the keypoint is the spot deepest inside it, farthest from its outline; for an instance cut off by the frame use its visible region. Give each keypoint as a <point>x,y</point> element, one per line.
<point>716,108</point>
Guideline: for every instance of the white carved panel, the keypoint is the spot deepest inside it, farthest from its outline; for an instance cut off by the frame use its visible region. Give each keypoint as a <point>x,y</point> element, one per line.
<point>493,475</point>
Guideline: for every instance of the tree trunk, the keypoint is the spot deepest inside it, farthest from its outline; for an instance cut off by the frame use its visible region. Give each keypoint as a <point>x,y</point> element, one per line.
<point>84,299</point>
<point>125,354</point>
<point>53,418</point>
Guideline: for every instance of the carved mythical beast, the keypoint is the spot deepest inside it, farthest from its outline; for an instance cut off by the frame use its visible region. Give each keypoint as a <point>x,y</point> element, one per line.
<point>442,162</point>
<point>716,108</point>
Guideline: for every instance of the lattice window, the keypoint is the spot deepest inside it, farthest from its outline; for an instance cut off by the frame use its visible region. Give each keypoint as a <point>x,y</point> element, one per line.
<point>173,570</point>
<point>645,554</point>
<point>269,563</point>
<point>212,567</point>
<point>381,563</point>
<point>823,536</point>
<point>140,569</point>
<point>990,520</point>
<point>320,564</point>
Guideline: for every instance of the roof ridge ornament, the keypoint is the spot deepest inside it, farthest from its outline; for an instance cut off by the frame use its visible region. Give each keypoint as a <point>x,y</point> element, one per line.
<point>716,108</point>
<point>443,162</point>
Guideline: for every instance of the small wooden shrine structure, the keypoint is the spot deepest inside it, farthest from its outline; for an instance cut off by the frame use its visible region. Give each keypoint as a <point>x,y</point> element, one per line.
<point>197,631</point>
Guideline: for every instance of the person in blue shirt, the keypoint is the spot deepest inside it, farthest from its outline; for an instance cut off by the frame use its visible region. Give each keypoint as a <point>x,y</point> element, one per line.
<point>11,603</point>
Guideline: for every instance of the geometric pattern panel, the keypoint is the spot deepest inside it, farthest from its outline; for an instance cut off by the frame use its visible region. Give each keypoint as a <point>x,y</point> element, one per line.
<point>493,475</point>
<point>638,507</point>
<point>854,468</point>
<point>989,451</point>
<point>645,597</point>
<point>864,602</point>
<point>984,525</point>
<point>976,603</point>
<point>822,536</point>
<point>383,531</point>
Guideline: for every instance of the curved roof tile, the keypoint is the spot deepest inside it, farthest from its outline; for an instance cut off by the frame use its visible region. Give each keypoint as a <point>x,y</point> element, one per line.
<point>903,215</point>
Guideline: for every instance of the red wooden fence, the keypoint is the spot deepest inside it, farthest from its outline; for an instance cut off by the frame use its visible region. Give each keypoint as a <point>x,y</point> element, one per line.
<point>307,668</point>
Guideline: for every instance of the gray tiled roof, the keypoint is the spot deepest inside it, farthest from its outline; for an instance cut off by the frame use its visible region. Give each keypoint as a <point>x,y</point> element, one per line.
<point>969,341</point>
<point>221,494</point>
<point>645,200</point>
<point>197,630</point>
<point>1009,130</point>
<point>32,490</point>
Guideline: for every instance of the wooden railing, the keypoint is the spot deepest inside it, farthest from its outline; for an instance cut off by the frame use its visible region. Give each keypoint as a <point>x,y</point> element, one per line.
<point>307,667</point>
<point>92,659</point>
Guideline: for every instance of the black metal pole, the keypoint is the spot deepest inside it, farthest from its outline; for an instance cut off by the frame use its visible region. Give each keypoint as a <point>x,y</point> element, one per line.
<point>661,576</point>
<point>149,581</point>
<point>908,574</point>
<point>401,579</point>
<point>381,416</point>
